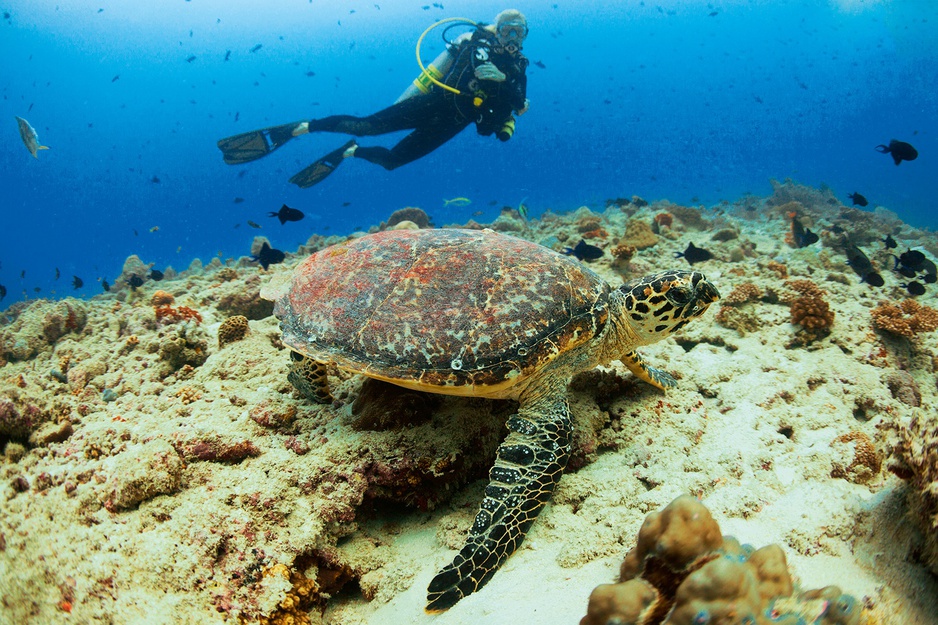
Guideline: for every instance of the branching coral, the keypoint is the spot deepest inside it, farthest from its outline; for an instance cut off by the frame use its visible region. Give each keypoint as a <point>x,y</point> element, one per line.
<point>811,311</point>
<point>908,319</point>
<point>745,292</point>
<point>683,572</point>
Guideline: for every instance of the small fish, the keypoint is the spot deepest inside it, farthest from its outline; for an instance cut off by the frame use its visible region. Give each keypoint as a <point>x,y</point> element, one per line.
<point>269,256</point>
<point>929,278</point>
<point>29,137</point>
<point>310,74</point>
<point>190,58</point>
<point>134,282</point>
<point>540,64</point>
<point>286,214</point>
<point>116,77</point>
<point>254,224</point>
<point>523,209</point>
<point>58,274</point>
<point>77,282</point>
<point>457,201</point>
<point>156,275</point>
<point>227,54</point>
<point>257,47</point>
<point>914,288</point>
<point>803,237</point>
<point>584,251</point>
<point>861,264</point>
<point>238,200</point>
<point>900,151</point>
<point>912,260</point>
<point>858,200</point>
<point>155,229</point>
<point>155,180</point>
<point>136,234</point>
<point>713,13</point>
<point>3,292</point>
<point>105,285</point>
<point>694,254</point>
<point>889,242</point>
<point>237,115</point>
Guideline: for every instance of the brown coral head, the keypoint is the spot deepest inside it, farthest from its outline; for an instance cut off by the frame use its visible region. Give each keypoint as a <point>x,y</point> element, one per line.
<point>232,329</point>
<point>908,319</point>
<point>408,213</point>
<point>162,298</point>
<point>664,219</point>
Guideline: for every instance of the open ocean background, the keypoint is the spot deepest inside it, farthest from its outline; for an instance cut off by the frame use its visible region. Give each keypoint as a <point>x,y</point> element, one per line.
<point>690,101</point>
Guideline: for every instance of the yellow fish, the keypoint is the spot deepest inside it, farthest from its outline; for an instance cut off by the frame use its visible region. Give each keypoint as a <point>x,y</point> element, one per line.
<point>457,201</point>
<point>29,137</point>
<point>155,229</point>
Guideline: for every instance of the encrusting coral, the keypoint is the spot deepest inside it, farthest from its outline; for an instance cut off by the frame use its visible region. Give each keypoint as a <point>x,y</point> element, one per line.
<point>908,319</point>
<point>683,572</point>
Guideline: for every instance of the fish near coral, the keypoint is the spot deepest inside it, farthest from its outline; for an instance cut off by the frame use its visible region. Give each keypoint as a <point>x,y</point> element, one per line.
<point>286,214</point>
<point>861,264</point>
<point>802,237</point>
<point>858,200</point>
<point>694,254</point>
<point>584,251</point>
<point>457,292</point>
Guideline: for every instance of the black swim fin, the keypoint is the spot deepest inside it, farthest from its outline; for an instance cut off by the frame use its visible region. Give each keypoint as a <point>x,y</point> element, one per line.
<point>318,171</point>
<point>251,146</point>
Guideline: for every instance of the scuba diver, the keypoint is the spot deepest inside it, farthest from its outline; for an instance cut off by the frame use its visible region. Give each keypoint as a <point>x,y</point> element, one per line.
<point>480,78</point>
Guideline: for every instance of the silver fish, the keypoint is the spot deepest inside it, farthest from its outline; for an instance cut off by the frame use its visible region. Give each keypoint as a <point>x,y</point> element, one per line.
<point>29,137</point>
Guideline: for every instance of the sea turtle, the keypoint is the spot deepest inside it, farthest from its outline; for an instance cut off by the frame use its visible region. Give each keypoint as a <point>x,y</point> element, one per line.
<point>478,313</point>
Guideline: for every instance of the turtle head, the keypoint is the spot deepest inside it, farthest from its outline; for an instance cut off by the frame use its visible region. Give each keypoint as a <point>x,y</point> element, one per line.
<point>654,306</point>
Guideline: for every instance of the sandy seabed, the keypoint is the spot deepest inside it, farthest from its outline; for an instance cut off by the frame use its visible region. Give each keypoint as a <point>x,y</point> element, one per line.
<point>151,476</point>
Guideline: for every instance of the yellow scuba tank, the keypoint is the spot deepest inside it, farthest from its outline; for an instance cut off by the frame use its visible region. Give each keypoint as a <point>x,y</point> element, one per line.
<point>427,78</point>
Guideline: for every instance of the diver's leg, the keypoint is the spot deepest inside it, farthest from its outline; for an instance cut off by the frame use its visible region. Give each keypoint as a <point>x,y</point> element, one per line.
<point>416,145</point>
<point>401,116</point>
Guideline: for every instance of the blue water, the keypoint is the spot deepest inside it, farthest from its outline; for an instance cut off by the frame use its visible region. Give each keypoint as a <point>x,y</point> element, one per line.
<point>659,99</point>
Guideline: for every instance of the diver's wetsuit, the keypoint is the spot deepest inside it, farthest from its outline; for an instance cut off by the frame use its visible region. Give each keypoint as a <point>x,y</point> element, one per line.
<point>438,116</point>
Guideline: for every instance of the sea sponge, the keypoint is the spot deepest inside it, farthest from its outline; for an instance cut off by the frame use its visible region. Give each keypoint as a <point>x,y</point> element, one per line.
<point>232,329</point>
<point>915,459</point>
<point>857,460</point>
<point>408,213</point>
<point>908,319</point>
<point>682,572</point>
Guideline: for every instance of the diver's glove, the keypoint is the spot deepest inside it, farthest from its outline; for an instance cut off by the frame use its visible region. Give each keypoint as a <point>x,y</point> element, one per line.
<point>488,71</point>
<point>523,109</point>
<point>301,129</point>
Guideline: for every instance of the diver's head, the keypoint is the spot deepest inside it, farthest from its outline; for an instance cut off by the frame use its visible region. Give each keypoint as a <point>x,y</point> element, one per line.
<point>511,28</point>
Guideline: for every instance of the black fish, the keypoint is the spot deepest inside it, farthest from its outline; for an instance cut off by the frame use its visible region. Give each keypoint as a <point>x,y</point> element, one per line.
<point>116,77</point>
<point>286,214</point>
<point>238,200</point>
<point>58,274</point>
<point>803,237</point>
<point>269,256</point>
<point>155,180</point>
<point>77,282</point>
<point>227,54</point>
<point>900,151</point>
<point>584,251</point>
<point>3,292</point>
<point>105,285</point>
<point>540,64</point>
<point>858,200</point>
<point>253,224</point>
<point>257,47</point>
<point>862,266</point>
<point>190,58</point>
<point>694,254</point>
<point>134,282</point>
<point>929,278</point>
<point>913,260</point>
<point>914,288</point>
<point>156,275</point>
<point>889,242</point>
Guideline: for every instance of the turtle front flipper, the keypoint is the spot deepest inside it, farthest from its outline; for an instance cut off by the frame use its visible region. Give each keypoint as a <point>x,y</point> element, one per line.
<point>655,377</point>
<point>528,465</point>
<point>309,378</point>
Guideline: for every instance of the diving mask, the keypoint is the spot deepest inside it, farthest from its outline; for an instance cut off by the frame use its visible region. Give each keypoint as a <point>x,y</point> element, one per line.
<point>512,32</point>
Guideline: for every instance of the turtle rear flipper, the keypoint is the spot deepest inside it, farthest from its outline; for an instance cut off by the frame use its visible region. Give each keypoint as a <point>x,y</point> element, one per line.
<point>528,465</point>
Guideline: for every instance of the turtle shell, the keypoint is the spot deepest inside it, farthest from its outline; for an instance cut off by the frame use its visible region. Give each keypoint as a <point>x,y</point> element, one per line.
<point>464,312</point>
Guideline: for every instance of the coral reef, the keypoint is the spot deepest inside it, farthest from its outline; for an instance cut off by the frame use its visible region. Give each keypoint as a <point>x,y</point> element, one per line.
<point>915,459</point>
<point>683,572</point>
<point>908,318</point>
<point>856,459</point>
<point>162,298</point>
<point>39,326</point>
<point>736,311</point>
<point>168,314</point>
<point>409,213</point>
<point>184,344</point>
<point>638,234</point>
<point>232,329</point>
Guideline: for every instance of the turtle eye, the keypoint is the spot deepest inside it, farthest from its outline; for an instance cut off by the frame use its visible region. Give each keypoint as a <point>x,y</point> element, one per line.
<point>679,295</point>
